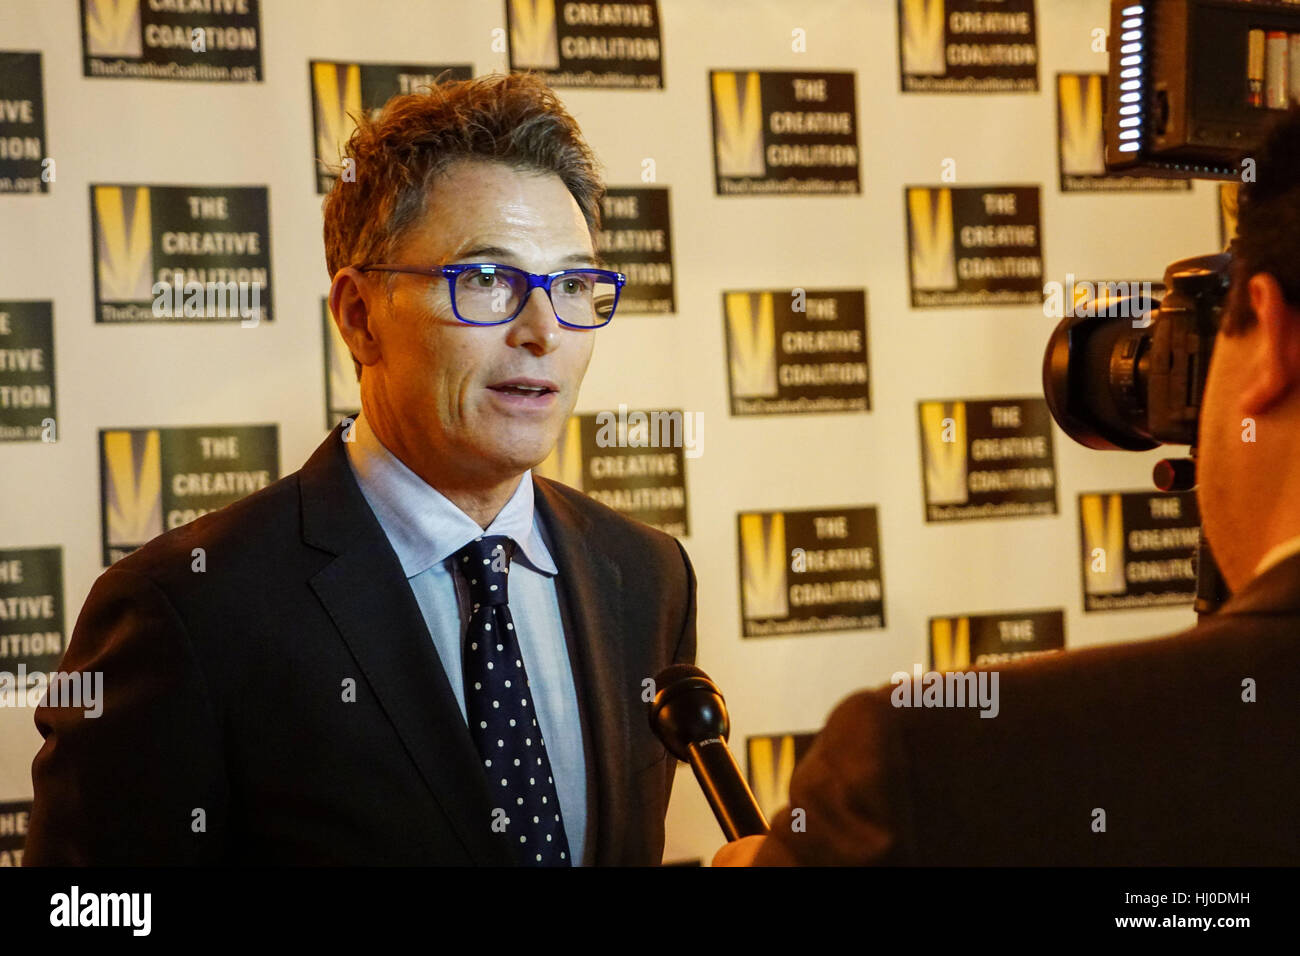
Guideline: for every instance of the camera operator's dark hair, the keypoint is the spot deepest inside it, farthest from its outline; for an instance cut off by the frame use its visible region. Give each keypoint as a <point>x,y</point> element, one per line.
<point>1268,222</point>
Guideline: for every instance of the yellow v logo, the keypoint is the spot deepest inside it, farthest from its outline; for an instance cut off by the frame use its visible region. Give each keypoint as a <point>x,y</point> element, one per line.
<point>923,37</point>
<point>564,463</point>
<point>943,434</point>
<point>1082,144</point>
<point>124,243</point>
<point>950,643</point>
<point>933,264</point>
<point>762,562</point>
<point>113,27</point>
<point>738,125</point>
<point>752,324</point>
<point>533,41</point>
<point>771,764</point>
<point>337,103</point>
<point>133,496</point>
<point>1103,543</point>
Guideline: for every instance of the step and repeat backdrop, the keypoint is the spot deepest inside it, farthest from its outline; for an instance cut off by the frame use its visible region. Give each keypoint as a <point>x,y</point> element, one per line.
<point>848,225</point>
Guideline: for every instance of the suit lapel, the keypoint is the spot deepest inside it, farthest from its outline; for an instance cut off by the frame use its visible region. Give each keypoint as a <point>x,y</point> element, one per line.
<point>1276,591</point>
<point>590,585</point>
<point>364,591</point>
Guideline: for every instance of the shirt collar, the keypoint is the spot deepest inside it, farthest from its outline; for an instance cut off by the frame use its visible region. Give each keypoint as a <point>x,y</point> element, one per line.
<point>1278,554</point>
<point>423,525</point>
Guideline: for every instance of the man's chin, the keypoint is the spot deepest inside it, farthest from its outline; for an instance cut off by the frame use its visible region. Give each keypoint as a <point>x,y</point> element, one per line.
<point>516,460</point>
<point>511,448</point>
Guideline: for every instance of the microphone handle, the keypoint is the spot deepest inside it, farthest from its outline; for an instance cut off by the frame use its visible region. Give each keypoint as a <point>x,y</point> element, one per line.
<point>732,801</point>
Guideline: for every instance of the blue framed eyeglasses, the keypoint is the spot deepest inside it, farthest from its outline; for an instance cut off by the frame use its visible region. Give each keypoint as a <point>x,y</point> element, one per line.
<point>484,293</point>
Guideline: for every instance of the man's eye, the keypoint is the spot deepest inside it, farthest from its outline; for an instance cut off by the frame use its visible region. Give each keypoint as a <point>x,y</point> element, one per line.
<point>573,285</point>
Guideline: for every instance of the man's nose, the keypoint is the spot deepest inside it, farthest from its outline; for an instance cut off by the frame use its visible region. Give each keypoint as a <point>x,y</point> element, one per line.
<point>535,327</point>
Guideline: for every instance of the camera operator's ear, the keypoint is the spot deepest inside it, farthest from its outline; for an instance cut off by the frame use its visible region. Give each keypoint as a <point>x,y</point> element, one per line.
<point>1274,356</point>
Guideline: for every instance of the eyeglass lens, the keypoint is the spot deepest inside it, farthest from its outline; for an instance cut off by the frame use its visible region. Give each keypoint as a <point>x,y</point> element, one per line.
<point>489,294</point>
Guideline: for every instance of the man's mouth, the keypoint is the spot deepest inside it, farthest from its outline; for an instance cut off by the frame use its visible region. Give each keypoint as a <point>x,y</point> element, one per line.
<point>527,387</point>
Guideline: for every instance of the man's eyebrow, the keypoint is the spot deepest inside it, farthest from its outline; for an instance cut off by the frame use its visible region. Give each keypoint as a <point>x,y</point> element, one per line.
<point>509,257</point>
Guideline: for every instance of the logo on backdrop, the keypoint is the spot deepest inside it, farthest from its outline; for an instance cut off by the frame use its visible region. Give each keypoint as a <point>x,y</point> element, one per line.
<point>636,240</point>
<point>156,479</point>
<point>771,761</point>
<point>342,91</point>
<point>784,133</point>
<point>127,39</point>
<point>342,389</point>
<point>1228,212</point>
<point>976,640</point>
<point>13,831</point>
<point>611,45</point>
<point>181,253</point>
<point>27,411</point>
<point>631,461</point>
<point>1138,549</point>
<point>974,245</point>
<point>24,167</point>
<point>797,350</point>
<point>1081,143</point>
<point>967,46</point>
<point>31,609</point>
<point>810,571</point>
<point>987,458</point>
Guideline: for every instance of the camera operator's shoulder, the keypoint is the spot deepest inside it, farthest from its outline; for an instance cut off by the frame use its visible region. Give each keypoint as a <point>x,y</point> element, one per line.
<point>1225,647</point>
<point>1206,661</point>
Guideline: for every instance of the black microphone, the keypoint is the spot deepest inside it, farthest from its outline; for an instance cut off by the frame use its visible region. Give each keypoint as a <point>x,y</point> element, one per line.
<point>690,717</point>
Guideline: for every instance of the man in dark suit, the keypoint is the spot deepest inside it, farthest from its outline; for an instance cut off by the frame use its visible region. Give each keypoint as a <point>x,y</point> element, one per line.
<point>1177,751</point>
<point>334,670</point>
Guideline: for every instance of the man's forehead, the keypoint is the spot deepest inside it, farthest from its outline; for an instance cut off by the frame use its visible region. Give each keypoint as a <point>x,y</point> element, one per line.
<point>486,211</point>
<point>480,251</point>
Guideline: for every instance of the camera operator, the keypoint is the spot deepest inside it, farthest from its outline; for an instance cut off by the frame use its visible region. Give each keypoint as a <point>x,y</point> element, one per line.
<point>1175,751</point>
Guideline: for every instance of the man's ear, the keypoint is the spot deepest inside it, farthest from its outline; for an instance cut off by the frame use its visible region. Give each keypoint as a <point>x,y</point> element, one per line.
<point>351,298</point>
<point>1275,356</point>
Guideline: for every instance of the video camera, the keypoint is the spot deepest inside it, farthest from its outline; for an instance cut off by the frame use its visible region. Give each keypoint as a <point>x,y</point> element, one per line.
<point>1135,384</point>
<point>1194,85</point>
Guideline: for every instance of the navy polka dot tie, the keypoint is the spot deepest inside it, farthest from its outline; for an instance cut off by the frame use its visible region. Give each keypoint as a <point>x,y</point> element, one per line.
<point>499,711</point>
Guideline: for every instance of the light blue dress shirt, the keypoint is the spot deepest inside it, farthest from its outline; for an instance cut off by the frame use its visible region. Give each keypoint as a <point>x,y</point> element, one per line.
<point>425,530</point>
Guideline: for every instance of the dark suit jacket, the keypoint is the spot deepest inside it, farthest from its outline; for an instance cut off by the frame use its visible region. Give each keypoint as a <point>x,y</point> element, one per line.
<point>1155,733</point>
<point>225,692</point>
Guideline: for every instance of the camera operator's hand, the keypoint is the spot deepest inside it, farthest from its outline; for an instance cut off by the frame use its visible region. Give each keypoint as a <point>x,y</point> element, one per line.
<point>739,852</point>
